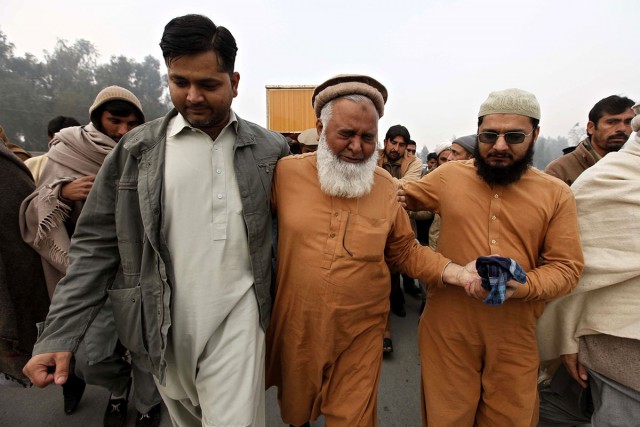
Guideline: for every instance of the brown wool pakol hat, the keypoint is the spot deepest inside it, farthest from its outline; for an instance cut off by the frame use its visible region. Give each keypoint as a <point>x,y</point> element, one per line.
<point>511,101</point>
<point>349,84</point>
<point>113,93</point>
<point>308,137</point>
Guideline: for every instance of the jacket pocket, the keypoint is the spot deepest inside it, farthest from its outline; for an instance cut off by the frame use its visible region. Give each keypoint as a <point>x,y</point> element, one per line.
<point>127,311</point>
<point>266,167</point>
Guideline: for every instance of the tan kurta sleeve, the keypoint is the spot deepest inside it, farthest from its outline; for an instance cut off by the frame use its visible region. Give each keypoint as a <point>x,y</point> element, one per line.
<point>561,255</point>
<point>422,195</point>
<point>404,253</point>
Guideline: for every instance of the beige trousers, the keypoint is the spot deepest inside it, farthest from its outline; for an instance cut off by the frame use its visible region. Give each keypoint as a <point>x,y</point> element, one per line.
<point>225,384</point>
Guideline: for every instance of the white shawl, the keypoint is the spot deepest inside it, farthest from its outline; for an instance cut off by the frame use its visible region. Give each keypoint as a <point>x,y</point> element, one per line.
<point>607,299</point>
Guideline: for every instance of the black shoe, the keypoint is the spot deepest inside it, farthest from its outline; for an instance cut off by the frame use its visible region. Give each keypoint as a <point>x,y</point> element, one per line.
<point>72,392</point>
<point>412,290</point>
<point>399,311</point>
<point>151,418</point>
<point>116,413</point>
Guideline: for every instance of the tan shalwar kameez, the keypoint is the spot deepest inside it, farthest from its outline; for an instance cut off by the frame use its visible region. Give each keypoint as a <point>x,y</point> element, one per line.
<point>324,343</point>
<point>480,362</point>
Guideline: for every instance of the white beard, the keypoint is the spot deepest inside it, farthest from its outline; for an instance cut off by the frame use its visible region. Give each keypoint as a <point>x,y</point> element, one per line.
<point>342,179</point>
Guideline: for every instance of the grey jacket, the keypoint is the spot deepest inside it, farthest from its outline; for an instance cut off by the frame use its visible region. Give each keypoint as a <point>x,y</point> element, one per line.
<point>121,224</point>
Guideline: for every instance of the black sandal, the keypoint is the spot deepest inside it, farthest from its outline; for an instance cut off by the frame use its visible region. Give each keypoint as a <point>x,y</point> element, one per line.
<point>387,346</point>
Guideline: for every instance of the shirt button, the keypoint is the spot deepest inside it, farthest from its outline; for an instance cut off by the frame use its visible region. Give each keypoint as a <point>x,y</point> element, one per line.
<point>218,171</point>
<point>332,235</point>
<point>337,214</point>
<point>493,218</point>
<point>495,196</point>
<point>219,195</point>
<point>493,242</point>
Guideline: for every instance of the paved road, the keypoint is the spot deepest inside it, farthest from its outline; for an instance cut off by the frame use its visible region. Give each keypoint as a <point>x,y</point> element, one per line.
<point>398,397</point>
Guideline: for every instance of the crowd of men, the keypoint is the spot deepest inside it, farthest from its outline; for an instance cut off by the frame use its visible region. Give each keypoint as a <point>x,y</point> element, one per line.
<point>172,254</point>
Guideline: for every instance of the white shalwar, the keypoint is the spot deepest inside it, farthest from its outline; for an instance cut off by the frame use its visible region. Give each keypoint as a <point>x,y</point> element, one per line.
<point>215,352</point>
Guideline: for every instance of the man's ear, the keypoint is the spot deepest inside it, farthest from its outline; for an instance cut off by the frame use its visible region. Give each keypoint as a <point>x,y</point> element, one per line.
<point>235,80</point>
<point>535,134</point>
<point>319,127</point>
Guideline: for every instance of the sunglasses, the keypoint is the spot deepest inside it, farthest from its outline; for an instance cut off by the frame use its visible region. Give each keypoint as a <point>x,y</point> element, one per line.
<point>509,137</point>
<point>411,151</point>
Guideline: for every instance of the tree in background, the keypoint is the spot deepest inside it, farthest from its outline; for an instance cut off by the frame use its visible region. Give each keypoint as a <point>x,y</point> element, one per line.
<point>576,134</point>
<point>65,83</point>
<point>548,149</point>
<point>423,154</point>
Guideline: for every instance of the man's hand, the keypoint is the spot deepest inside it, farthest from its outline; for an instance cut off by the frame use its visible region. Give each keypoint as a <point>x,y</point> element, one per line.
<point>466,277</point>
<point>401,197</point>
<point>43,369</point>
<point>471,282</point>
<point>512,285</point>
<point>575,369</point>
<point>79,189</point>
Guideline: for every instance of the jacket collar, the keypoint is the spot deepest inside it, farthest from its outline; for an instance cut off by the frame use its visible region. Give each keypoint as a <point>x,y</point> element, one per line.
<point>146,136</point>
<point>139,140</point>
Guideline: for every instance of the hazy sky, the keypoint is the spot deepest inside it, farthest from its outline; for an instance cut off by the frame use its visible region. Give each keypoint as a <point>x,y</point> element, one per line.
<point>438,59</point>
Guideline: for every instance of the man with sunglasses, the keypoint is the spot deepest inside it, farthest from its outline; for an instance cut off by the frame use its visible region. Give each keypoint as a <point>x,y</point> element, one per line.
<point>608,129</point>
<point>480,362</point>
<point>411,149</point>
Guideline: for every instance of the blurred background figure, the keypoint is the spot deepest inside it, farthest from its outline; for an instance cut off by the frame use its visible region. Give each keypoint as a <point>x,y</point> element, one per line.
<point>23,293</point>
<point>308,140</point>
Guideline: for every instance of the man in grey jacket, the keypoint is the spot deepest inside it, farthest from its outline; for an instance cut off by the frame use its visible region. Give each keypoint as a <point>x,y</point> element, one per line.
<point>183,204</point>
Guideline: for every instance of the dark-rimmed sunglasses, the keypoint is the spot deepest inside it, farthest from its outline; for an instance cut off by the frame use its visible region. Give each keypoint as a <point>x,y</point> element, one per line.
<point>509,137</point>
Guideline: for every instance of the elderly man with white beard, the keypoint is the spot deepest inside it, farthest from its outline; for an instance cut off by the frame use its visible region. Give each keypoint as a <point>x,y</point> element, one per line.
<point>324,342</point>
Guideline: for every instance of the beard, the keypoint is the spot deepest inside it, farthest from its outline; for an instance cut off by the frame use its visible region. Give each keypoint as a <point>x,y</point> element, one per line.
<point>493,175</point>
<point>342,179</point>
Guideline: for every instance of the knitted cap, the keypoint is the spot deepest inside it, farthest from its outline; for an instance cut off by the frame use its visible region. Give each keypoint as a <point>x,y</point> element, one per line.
<point>308,137</point>
<point>635,122</point>
<point>441,147</point>
<point>113,93</point>
<point>511,101</point>
<point>467,142</point>
<point>349,84</point>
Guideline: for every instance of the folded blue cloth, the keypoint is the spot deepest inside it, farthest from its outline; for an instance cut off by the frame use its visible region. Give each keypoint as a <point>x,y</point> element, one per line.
<point>495,272</point>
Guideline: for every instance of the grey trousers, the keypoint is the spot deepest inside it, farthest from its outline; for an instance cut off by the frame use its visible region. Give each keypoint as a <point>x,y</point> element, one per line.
<point>614,404</point>
<point>113,373</point>
<point>563,403</point>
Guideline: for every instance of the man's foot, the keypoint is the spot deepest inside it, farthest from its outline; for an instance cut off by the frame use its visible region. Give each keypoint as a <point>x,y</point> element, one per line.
<point>387,346</point>
<point>151,418</point>
<point>399,310</point>
<point>116,413</point>
<point>72,392</point>
<point>412,289</point>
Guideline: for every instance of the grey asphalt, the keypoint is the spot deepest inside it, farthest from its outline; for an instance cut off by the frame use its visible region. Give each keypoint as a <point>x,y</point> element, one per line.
<point>398,395</point>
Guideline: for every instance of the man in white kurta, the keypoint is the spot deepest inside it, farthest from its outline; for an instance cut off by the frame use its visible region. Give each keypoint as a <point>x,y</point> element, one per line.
<point>214,303</point>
